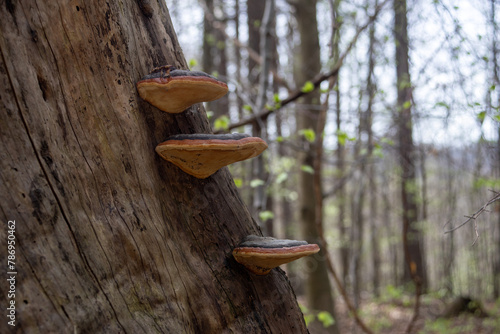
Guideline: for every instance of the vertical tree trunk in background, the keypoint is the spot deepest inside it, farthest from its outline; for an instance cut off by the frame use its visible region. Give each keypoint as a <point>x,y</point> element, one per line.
<point>110,238</point>
<point>496,82</point>
<point>255,12</point>
<point>214,54</point>
<point>403,117</point>
<point>449,242</point>
<point>372,183</point>
<point>340,165</point>
<point>318,290</point>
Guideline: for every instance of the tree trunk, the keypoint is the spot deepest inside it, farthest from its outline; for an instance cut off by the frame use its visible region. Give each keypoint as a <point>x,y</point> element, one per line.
<point>318,288</point>
<point>411,234</point>
<point>108,236</point>
<point>214,55</point>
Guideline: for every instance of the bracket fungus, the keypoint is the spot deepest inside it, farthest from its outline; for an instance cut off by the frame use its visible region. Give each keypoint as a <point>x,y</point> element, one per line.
<point>201,155</point>
<point>261,254</point>
<point>173,90</point>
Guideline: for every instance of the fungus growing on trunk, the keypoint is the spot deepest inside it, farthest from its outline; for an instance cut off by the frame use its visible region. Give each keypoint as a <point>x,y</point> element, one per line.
<point>261,254</point>
<point>173,90</point>
<point>201,155</point>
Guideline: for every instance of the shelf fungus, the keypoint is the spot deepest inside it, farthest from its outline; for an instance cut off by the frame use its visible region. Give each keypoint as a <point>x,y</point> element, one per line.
<point>261,254</point>
<point>201,155</point>
<point>173,90</point>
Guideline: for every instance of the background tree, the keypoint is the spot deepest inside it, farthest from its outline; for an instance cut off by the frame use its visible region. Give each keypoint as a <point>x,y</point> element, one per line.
<point>308,65</point>
<point>414,264</point>
<point>109,237</point>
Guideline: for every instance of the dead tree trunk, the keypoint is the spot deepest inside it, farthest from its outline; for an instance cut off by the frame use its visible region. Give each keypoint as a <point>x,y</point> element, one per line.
<point>108,236</point>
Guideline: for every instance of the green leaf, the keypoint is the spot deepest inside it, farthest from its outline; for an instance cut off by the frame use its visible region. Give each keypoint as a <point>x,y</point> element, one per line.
<point>442,104</point>
<point>481,116</point>
<point>266,215</point>
<point>493,87</point>
<point>497,118</point>
<point>276,98</point>
<point>247,107</point>
<point>342,137</point>
<point>210,114</point>
<point>281,177</point>
<point>407,105</point>
<point>280,139</point>
<point>307,169</point>
<point>256,182</point>
<point>309,134</point>
<point>222,123</point>
<point>308,87</point>
<point>326,318</point>
<point>238,182</point>
<point>192,62</point>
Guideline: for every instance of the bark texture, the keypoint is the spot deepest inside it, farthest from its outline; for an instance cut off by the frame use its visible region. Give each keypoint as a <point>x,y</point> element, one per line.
<point>318,288</point>
<point>110,238</point>
<point>414,254</point>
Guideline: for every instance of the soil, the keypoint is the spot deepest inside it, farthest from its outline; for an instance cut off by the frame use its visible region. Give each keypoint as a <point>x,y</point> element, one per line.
<point>393,316</point>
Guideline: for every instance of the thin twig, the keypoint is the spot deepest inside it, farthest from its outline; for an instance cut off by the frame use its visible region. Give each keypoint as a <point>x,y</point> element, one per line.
<point>475,216</point>
<point>333,73</point>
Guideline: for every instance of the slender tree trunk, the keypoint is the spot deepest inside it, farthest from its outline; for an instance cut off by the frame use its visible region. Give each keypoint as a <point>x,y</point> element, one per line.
<point>496,82</point>
<point>411,235</point>
<point>109,237</point>
<point>372,183</point>
<point>214,54</point>
<point>318,288</point>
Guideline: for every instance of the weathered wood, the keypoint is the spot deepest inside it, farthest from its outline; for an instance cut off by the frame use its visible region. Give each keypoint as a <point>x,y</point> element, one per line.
<point>110,237</point>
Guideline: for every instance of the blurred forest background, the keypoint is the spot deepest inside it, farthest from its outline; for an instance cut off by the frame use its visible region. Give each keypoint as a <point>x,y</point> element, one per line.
<point>382,119</point>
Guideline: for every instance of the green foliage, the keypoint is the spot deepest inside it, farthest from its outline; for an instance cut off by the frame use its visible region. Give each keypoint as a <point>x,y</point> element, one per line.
<point>442,104</point>
<point>247,107</point>
<point>192,63</point>
<point>210,114</point>
<point>487,183</point>
<point>481,116</point>
<point>266,215</point>
<point>378,151</point>
<point>308,317</point>
<point>308,134</point>
<point>222,123</point>
<point>393,292</point>
<point>342,137</point>
<point>326,318</point>
<point>307,169</point>
<point>238,182</point>
<point>256,183</point>
<point>323,316</point>
<point>407,104</point>
<point>282,177</point>
<point>308,87</point>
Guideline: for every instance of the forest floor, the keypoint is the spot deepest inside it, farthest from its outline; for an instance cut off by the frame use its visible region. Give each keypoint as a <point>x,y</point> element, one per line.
<point>393,316</point>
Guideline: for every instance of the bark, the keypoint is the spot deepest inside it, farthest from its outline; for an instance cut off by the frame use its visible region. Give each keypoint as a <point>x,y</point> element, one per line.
<point>411,234</point>
<point>214,55</point>
<point>255,10</point>
<point>372,184</point>
<point>496,81</point>
<point>110,238</point>
<point>318,288</point>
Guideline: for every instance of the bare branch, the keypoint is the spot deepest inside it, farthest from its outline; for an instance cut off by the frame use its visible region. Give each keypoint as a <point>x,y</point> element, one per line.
<point>475,216</point>
<point>333,73</point>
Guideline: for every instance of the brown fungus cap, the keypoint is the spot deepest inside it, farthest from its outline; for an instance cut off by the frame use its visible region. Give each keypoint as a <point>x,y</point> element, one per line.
<point>173,90</point>
<point>260,254</point>
<point>201,155</point>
